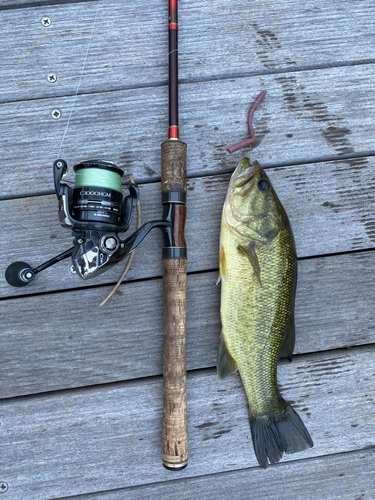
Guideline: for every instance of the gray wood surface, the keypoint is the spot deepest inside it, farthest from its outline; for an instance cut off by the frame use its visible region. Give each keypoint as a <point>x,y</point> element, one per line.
<point>217,40</point>
<point>307,116</point>
<point>341,477</point>
<point>81,440</point>
<point>80,387</point>
<point>64,340</point>
<point>22,4</point>
<point>330,205</point>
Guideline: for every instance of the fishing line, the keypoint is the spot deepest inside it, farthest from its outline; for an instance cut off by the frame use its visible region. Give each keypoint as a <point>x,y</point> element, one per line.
<point>96,177</point>
<point>81,76</point>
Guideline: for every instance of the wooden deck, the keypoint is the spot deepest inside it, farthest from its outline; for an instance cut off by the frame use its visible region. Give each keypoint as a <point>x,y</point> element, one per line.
<point>81,387</point>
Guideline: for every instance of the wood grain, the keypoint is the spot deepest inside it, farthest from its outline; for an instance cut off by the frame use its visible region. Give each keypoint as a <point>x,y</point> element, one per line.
<point>110,435</point>
<point>97,426</point>
<point>64,340</point>
<point>216,41</point>
<point>304,118</point>
<point>337,477</point>
<point>330,206</point>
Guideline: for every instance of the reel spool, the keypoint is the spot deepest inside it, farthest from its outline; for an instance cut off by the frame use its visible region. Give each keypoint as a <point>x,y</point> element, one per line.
<point>97,194</point>
<point>96,212</point>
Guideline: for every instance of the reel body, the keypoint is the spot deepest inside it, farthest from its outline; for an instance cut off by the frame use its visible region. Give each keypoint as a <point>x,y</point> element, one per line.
<point>96,212</point>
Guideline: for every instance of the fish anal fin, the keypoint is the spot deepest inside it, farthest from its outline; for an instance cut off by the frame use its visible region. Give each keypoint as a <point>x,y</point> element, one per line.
<point>225,362</point>
<point>251,254</point>
<point>287,347</point>
<point>223,270</point>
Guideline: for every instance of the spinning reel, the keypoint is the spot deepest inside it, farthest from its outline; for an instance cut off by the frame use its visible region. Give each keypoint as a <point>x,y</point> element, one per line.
<point>96,212</point>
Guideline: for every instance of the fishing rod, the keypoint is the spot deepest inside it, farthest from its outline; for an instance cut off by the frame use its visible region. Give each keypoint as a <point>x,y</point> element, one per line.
<point>97,212</point>
<point>173,187</point>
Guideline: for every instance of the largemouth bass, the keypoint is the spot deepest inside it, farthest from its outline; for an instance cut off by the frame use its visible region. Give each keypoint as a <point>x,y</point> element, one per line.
<point>258,273</point>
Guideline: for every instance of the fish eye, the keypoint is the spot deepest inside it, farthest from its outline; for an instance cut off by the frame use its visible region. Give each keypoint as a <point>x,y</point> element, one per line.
<point>263,185</point>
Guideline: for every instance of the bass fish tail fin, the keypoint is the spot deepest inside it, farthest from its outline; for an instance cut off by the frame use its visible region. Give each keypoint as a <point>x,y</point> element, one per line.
<point>278,433</point>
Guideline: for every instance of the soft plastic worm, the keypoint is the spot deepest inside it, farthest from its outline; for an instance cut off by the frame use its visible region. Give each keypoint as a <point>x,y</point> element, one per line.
<point>252,139</point>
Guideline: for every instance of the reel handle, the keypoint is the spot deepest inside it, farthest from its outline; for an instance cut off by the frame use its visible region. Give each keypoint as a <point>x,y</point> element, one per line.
<point>21,274</point>
<point>173,186</point>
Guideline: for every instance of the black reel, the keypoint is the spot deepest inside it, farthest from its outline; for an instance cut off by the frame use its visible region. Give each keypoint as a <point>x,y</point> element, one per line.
<point>96,212</point>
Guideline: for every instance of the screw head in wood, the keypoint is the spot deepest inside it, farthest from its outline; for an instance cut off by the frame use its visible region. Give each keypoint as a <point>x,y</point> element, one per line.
<point>56,114</point>
<point>46,21</point>
<point>3,487</point>
<point>52,78</point>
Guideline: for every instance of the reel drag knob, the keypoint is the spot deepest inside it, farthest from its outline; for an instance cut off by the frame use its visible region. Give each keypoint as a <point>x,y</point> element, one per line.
<point>19,274</point>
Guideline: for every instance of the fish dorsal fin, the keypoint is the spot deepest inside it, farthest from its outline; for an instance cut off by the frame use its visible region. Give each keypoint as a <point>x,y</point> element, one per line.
<point>251,254</point>
<point>225,362</point>
<point>223,270</point>
<point>287,347</point>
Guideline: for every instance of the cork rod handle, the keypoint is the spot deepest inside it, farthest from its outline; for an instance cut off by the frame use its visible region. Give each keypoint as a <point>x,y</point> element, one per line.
<point>175,437</point>
<point>175,433</point>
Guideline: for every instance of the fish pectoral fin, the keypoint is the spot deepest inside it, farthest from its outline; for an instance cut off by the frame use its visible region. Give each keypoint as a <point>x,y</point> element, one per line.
<point>223,270</point>
<point>225,362</point>
<point>251,254</point>
<point>287,346</point>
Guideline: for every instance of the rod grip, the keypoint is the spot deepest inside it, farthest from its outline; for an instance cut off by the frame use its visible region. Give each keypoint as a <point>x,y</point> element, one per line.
<point>173,166</point>
<point>175,432</point>
<point>173,187</point>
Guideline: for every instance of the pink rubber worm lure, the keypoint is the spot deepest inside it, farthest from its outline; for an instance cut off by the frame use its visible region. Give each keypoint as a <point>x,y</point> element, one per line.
<point>252,138</point>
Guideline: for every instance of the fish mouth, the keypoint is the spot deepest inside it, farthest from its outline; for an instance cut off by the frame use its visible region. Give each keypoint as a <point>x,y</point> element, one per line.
<point>244,172</point>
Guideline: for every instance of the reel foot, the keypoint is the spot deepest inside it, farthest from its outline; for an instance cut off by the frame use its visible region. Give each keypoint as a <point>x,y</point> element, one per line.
<point>19,274</point>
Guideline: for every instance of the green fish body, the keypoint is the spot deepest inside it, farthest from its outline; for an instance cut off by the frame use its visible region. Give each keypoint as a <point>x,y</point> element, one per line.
<point>258,271</point>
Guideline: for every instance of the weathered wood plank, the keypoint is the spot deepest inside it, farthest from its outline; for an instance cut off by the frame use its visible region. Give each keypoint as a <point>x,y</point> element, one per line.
<point>64,340</point>
<point>337,477</point>
<point>217,40</point>
<point>330,205</point>
<point>22,4</point>
<point>305,117</point>
<point>76,442</point>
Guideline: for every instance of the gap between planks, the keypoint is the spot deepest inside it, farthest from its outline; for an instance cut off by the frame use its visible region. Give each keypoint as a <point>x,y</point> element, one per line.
<point>185,81</point>
<point>316,478</point>
<point>69,444</point>
<point>224,171</point>
<point>317,121</point>
<point>330,206</point>
<point>333,310</point>
<point>266,34</point>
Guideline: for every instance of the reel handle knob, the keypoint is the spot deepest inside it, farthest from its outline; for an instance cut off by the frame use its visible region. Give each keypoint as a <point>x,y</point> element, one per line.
<point>19,274</point>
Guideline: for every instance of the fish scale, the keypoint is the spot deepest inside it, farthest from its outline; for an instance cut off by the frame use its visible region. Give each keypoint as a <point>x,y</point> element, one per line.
<point>258,270</point>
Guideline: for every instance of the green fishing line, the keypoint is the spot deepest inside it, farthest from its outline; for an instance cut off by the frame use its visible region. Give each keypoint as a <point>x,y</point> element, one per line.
<point>98,177</point>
